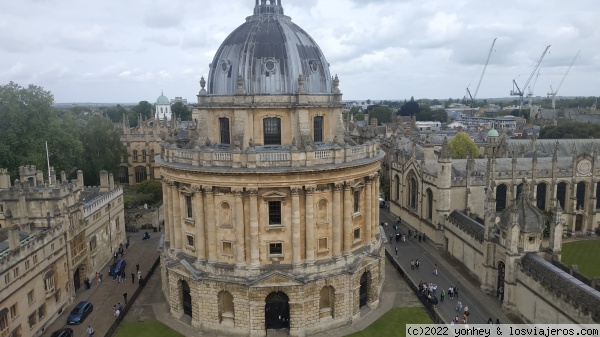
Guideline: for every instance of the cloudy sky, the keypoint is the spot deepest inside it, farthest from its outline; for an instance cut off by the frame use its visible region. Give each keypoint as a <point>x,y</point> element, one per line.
<point>128,51</point>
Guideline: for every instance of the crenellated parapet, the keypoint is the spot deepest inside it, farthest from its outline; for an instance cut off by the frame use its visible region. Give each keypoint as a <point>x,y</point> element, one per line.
<point>29,245</point>
<point>101,201</point>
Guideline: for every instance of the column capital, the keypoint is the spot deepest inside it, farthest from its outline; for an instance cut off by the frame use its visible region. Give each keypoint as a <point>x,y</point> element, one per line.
<point>295,190</point>
<point>253,192</point>
<point>310,189</point>
<point>337,187</point>
<point>238,192</point>
<point>207,189</point>
<point>347,185</point>
<point>196,189</point>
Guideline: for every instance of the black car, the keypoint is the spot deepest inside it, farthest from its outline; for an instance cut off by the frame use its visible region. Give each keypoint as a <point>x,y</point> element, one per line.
<point>80,312</point>
<point>65,332</point>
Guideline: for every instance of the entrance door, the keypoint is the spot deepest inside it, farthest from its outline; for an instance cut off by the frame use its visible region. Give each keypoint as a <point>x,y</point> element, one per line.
<point>363,293</point>
<point>186,298</point>
<point>76,279</point>
<point>578,222</point>
<point>500,282</point>
<point>277,311</point>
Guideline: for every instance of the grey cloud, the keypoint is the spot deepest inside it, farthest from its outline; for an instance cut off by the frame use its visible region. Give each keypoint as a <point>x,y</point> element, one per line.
<point>163,40</point>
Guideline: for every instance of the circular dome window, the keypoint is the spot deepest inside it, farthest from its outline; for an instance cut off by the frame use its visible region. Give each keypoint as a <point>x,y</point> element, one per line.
<point>270,65</point>
<point>314,66</point>
<point>224,66</point>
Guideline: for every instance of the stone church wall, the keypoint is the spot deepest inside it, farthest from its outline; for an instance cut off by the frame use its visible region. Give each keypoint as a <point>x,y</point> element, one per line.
<point>464,248</point>
<point>537,304</point>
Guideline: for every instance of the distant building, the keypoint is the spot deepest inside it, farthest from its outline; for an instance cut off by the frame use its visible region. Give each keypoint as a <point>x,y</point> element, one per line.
<point>53,235</point>
<point>179,100</point>
<point>162,108</point>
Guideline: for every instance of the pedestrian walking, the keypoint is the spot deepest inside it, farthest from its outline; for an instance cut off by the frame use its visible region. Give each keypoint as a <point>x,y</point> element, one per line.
<point>442,294</point>
<point>120,307</point>
<point>117,313</point>
<point>125,297</point>
<point>424,237</point>
<point>391,237</point>
<point>115,256</point>
<point>396,249</point>
<point>115,310</point>
<point>435,302</point>
<point>141,281</point>
<point>412,264</point>
<point>403,238</point>
<point>450,292</point>
<point>417,264</point>
<point>97,278</point>
<point>127,243</point>
<point>459,306</point>
<point>89,331</point>
<point>132,277</point>
<point>456,292</point>
<point>435,270</point>
<point>497,321</point>
<point>420,238</point>
<point>409,234</point>
<point>139,274</point>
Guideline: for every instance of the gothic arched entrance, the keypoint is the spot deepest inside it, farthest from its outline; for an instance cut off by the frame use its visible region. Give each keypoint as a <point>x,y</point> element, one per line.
<point>500,283</point>
<point>277,311</point>
<point>186,298</point>
<point>364,290</point>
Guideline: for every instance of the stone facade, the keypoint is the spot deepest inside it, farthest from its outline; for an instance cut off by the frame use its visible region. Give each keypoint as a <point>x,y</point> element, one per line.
<point>52,236</point>
<point>271,209</point>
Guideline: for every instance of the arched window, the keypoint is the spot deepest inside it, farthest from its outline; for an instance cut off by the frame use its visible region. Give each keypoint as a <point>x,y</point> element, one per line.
<point>519,190</point>
<point>581,187</point>
<point>123,175</point>
<point>397,188</point>
<point>224,131</point>
<point>318,129</point>
<point>225,214</point>
<point>135,156</point>
<point>561,194</point>
<point>322,211</point>
<point>93,244</point>
<point>225,307</point>
<point>412,193</point>
<point>326,302</point>
<point>429,204</point>
<point>140,174</point>
<point>500,197</point>
<point>272,131</point>
<point>541,196</point>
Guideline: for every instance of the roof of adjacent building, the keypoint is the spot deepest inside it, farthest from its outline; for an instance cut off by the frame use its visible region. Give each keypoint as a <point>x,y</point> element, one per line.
<point>270,53</point>
<point>4,238</point>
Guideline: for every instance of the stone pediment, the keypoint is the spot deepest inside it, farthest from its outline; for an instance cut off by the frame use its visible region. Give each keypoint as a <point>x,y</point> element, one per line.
<point>276,278</point>
<point>274,195</point>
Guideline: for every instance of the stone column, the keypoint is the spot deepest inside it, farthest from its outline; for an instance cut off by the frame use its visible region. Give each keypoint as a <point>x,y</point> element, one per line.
<point>375,207</point>
<point>176,215</point>
<point>209,223</point>
<point>337,220</point>
<point>310,224</point>
<point>348,210</point>
<point>368,209</point>
<point>169,214</point>
<point>254,247</point>
<point>198,205</point>
<point>165,190</point>
<point>296,257</point>
<point>240,251</point>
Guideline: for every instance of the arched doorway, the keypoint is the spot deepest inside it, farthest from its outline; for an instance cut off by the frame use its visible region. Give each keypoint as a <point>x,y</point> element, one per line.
<point>364,290</point>
<point>186,298</point>
<point>277,311</point>
<point>76,279</point>
<point>500,283</point>
<point>578,223</point>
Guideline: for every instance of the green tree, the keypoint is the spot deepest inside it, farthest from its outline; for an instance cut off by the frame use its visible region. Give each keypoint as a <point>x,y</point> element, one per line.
<point>359,116</point>
<point>27,122</point>
<point>382,113</point>
<point>571,130</point>
<point>181,111</point>
<point>103,149</point>
<point>116,113</point>
<point>409,108</point>
<point>461,145</point>
<point>143,108</point>
<point>152,188</point>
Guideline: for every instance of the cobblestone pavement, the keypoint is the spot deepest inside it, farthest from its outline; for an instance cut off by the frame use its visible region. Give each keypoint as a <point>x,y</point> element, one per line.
<point>108,293</point>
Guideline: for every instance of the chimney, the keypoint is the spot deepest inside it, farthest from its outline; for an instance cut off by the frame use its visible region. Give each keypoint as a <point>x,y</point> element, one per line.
<point>63,177</point>
<point>39,178</point>
<point>111,182</point>
<point>52,176</point>
<point>14,242</point>
<point>103,181</point>
<point>80,178</point>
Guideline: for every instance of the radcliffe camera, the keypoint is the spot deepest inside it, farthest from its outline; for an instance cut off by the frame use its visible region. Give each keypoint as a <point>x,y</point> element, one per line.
<point>299,168</point>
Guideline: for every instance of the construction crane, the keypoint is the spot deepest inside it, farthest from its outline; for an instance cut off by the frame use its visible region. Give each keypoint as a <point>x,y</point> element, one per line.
<point>472,97</point>
<point>530,89</point>
<point>554,92</point>
<point>518,91</point>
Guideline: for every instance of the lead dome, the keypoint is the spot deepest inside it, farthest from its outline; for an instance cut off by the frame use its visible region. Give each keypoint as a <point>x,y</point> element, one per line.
<point>270,53</point>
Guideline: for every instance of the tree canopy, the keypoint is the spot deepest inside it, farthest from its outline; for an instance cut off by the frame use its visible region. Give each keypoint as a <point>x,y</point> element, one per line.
<point>143,108</point>
<point>409,108</point>
<point>103,149</point>
<point>461,145</point>
<point>571,130</point>
<point>27,122</point>
<point>181,111</point>
<point>382,113</point>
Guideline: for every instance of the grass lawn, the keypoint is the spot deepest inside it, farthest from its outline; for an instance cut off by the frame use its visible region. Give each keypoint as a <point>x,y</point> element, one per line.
<point>584,254</point>
<point>146,328</point>
<point>393,323</point>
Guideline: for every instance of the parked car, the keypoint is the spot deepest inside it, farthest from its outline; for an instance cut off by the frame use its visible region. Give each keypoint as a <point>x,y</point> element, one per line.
<point>117,267</point>
<point>64,332</point>
<point>80,312</point>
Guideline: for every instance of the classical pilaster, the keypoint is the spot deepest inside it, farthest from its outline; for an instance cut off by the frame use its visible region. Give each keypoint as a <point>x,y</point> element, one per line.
<point>375,210</point>
<point>310,224</point>
<point>199,222</point>
<point>348,210</point>
<point>169,214</point>
<point>240,251</point>
<point>176,196</point>
<point>337,220</point>
<point>296,244</point>
<point>165,190</point>
<point>209,223</point>
<point>254,247</point>
<point>368,208</point>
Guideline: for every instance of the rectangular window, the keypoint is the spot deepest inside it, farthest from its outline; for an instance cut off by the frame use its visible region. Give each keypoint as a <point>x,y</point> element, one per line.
<point>7,278</point>
<point>13,311</point>
<point>272,131</point>
<point>135,156</point>
<point>30,297</point>
<point>16,272</point>
<point>42,311</point>
<point>49,284</point>
<point>32,320</point>
<point>3,324</point>
<point>227,248</point>
<point>27,265</point>
<point>356,201</point>
<point>276,248</point>
<point>322,245</point>
<point>35,259</point>
<point>224,131</point>
<point>318,129</point>
<point>274,212</point>
<point>190,240</point>
<point>357,234</point>
<point>188,207</point>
